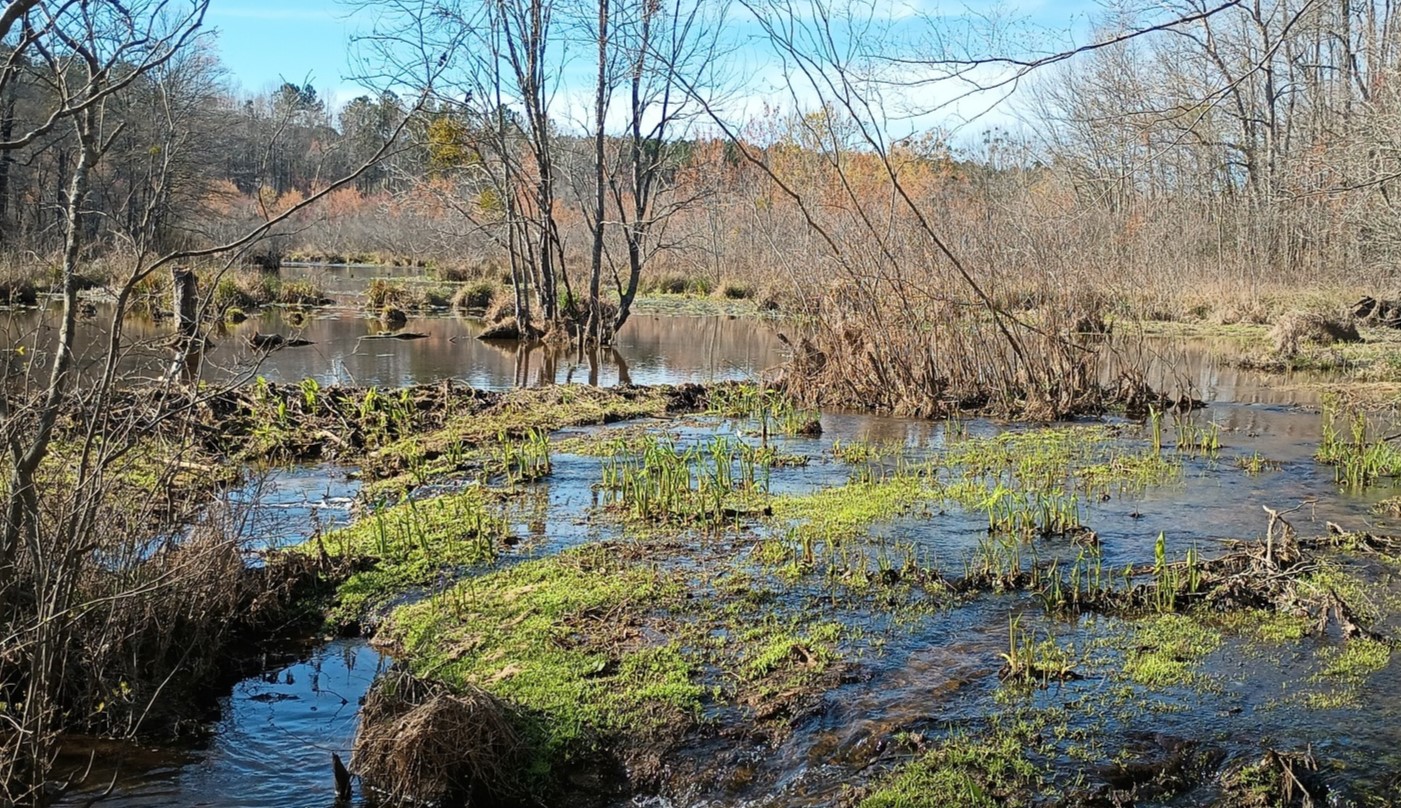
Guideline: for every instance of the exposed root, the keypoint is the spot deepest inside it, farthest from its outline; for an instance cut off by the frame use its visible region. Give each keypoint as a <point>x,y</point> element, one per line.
<point>1378,312</point>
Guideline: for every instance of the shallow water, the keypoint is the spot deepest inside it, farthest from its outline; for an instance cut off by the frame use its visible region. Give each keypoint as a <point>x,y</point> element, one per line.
<point>272,744</point>
<point>652,349</point>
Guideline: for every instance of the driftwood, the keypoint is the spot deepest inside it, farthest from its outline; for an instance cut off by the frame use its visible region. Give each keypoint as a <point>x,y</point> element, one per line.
<point>1378,312</point>
<point>397,335</point>
<point>272,342</point>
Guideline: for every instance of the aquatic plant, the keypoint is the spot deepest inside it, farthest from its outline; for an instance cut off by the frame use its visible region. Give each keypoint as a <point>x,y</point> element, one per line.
<point>1032,662</point>
<point>1082,582</point>
<point>713,483</point>
<point>776,412</point>
<point>521,460</point>
<point>1358,461</point>
<point>1254,463</point>
<point>1031,513</point>
<point>1198,438</point>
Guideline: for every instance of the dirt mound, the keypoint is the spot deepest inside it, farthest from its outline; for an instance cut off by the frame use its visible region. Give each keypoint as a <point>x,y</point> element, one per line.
<point>1299,327</point>
<point>419,742</point>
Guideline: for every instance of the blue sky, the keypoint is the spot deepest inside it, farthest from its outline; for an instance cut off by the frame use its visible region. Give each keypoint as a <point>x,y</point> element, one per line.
<point>263,42</point>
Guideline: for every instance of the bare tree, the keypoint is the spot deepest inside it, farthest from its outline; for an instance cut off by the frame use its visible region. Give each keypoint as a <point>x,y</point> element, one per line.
<point>62,567</point>
<point>493,68</point>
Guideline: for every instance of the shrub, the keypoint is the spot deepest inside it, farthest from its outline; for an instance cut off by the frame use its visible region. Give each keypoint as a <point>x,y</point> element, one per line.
<point>476,296</point>
<point>731,290</point>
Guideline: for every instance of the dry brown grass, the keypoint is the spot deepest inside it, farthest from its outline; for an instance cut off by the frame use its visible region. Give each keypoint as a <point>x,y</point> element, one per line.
<point>420,742</point>
<point>1305,327</point>
<point>875,351</point>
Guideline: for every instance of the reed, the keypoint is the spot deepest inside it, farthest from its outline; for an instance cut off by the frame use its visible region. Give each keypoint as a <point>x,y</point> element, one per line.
<point>525,459</point>
<point>1357,459</point>
<point>713,483</point>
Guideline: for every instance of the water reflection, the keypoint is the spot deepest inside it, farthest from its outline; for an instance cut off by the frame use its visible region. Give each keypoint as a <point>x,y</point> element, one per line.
<point>348,347</point>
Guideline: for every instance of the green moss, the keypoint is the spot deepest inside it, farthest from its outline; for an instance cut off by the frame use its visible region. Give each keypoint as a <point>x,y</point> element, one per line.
<point>848,510</point>
<point>1357,659</point>
<point>963,772</point>
<point>1266,626</point>
<point>1164,651</point>
<point>1344,670</point>
<point>1088,459</point>
<point>414,459</point>
<point>775,647</point>
<point>559,638</point>
<point>407,545</point>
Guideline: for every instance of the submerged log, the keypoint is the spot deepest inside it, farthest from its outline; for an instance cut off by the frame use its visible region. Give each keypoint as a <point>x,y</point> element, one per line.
<point>397,335</point>
<point>272,342</point>
<point>266,342</point>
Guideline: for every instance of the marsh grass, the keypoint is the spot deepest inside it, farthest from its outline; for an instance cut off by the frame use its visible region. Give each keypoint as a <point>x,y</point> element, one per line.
<point>1358,459</point>
<point>713,483</point>
<point>412,544</point>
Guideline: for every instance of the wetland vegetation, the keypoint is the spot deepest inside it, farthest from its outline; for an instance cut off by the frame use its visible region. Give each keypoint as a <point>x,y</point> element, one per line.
<point>662,452</point>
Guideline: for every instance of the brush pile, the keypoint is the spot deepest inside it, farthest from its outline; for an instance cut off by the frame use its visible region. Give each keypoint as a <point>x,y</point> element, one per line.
<point>421,743</point>
<point>1300,327</point>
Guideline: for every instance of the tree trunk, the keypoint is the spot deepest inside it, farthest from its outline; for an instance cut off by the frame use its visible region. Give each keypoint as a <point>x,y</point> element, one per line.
<point>189,349</point>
